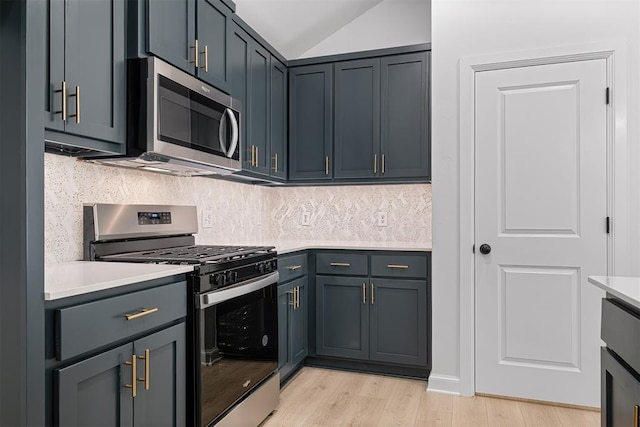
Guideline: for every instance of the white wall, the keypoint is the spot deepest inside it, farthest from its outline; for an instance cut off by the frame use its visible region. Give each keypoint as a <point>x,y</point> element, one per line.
<point>467,28</point>
<point>388,24</point>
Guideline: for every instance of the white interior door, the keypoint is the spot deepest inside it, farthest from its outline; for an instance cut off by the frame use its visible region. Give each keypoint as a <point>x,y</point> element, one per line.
<point>541,205</point>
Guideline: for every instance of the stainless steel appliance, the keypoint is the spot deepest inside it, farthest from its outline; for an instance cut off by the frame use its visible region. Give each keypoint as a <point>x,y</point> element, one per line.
<point>232,318</point>
<point>177,124</point>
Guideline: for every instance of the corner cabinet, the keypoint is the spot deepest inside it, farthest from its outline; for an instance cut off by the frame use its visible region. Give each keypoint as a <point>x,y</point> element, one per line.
<point>311,123</point>
<point>85,77</point>
<point>258,81</point>
<point>373,307</point>
<point>292,313</point>
<point>113,362</point>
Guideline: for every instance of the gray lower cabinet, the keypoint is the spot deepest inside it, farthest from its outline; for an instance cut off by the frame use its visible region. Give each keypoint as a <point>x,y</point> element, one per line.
<point>292,325</point>
<point>311,123</point>
<point>85,77</point>
<point>620,393</point>
<point>99,390</point>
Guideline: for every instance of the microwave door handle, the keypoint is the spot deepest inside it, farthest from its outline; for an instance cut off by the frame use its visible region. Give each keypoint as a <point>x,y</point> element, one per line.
<point>223,123</point>
<point>234,133</point>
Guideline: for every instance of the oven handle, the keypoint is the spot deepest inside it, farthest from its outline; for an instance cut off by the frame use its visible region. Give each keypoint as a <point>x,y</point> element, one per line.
<point>216,297</point>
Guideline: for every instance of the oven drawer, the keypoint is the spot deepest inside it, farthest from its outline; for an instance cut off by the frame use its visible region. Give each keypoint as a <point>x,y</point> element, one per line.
<point>342,264</point>
<point>399,266</point>
<point>85,327</point>
<point>621,332</point>
<point>292,266</point>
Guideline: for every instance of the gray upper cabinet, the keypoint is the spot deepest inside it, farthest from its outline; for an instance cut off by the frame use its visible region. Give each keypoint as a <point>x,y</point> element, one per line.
<point>405,116</point>
<point>311,123</point>
<point>357,119</point>
<point>214,36</point>
<point>171,32</point>
<point>278,111</point>
<point>85,78</point>
<point>239,62</point>
<point>259,81</point>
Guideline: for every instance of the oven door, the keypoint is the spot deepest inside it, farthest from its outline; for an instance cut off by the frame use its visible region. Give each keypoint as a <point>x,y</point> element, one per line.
<point>237,330</point>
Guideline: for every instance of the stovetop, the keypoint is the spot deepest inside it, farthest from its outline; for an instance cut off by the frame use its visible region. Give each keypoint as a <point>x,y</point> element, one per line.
<point>196,254</point>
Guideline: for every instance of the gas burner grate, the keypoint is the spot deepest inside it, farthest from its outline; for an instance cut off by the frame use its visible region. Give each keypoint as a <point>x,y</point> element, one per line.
<point>197,254</point>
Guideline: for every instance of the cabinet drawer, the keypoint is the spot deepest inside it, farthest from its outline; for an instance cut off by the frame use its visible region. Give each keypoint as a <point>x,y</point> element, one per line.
<point>84,327</point>
<point>292,266</point>
<point>343,264</point>
<point>621,332</point>
<point>399,266</point>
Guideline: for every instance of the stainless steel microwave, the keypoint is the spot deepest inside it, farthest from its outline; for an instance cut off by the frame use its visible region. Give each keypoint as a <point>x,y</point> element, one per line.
<point>178,124</point>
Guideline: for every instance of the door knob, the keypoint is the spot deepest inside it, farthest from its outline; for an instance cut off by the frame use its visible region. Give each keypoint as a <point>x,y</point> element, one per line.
<point>485,249</point>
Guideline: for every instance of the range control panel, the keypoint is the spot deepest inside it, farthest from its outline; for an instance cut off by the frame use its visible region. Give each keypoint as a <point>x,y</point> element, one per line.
<point>152,218</point>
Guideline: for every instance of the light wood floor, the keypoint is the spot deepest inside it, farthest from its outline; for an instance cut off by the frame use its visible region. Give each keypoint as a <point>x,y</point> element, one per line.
<point>322,397</point>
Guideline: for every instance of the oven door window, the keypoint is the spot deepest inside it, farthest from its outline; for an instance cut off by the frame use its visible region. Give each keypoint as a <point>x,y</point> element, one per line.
<point>192,120</point>
<point>238,349</point>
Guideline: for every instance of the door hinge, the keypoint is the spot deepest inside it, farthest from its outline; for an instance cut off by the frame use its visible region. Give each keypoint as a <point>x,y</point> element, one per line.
<point>608,96</point>
<point>473,248</point>
<point>608,225</point>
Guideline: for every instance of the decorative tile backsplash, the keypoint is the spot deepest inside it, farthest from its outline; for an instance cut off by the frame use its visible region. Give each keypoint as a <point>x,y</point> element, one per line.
<point>243,214</point>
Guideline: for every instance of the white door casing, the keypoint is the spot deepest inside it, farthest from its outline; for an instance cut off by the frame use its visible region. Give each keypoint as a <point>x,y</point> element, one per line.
<point>541,204</point>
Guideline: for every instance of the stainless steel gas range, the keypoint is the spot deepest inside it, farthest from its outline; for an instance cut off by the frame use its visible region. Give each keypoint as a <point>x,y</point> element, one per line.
<point>232,322</point>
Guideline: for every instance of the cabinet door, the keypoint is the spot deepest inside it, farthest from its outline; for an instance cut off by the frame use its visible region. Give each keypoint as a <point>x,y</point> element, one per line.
<point>171,31</point>
<point>92,392</point>
<point>398,321</point>
<point>357,119</point>
<point>285,302</point>
<point>278,110</point>
<point>214,34</point>
<point>259,67</point>
<point>405,116</point>
<point>161,373</point>
<point>95,69</point>
<point>342,317</point>
<point>310,122</point>
<point>55,66</point>
<point>620,393</point>
<point>239,63</point>
<point>298,346</point>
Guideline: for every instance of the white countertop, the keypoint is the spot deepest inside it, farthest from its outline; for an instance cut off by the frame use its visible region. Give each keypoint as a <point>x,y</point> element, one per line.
<point>285,247</point>
<point>625,288</point>
<point>81,277</point>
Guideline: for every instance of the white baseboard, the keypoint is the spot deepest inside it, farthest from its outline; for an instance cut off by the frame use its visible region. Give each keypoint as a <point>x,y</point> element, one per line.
<point>443,384</point>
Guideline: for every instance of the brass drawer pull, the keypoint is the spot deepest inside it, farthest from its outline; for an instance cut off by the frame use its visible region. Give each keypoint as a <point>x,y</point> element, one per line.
<point>340,264</point>
<point>636,409</point>
<point>143,313</point>
<point>373,295</point>
<point>134,384</point>
<point>275,166</point>
<point>294,267</point>
<point>404,267</point>
<point>326,165</point>
<point>146,359</point>
<point>364,293</point>
<point>77,114</point>
<point>293,302</point>
<point>196,54</point>
<point>383,164</point>
<point>63,91</point>
<point>206,59</point>
<point>297,297</point>
<point>375,163</point>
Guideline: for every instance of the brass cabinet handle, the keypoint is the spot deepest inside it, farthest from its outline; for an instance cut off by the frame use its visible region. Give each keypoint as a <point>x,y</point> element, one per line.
<point>383,164</point>
<point>292,303</point>
<point>636,409</point>
<point>134,383</point>
<point>373,295</point>
<point>63,91</point>
<point>364,293</point>
<point>77,96</point>
<point>397,266</point>
<point>253,156</point>
<point>146,359</point>
<point>275,159</point>
<point>326,165</point>
<point>375,163</point>
<point>340,264</point>
<point>144,312</point>
<point>257,158</point>
<point>196,54</point>
<point>205,52</point>
<point>297,297</point>
<point>294,267</point>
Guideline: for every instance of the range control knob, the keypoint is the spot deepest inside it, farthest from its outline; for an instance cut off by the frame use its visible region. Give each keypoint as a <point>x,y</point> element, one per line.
<point>218,279</point>
<point>261,267</point>
<point>230,277</point>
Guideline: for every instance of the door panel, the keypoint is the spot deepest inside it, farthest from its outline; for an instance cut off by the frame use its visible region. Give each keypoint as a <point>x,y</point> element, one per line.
<point>541,204</point>
<point>259,106</point>
<point>55,65</point>
<point>92,392</point>
<point>357,119</point>
<point>285,299</point>
<point>164,403</point>
<point>214,32</point>
<point>239,62</point>
<point>171,31</point>
<point>298,340</point>
<point>398,321</point>
<point>95,63</point>
<point>278,136</point>
<point>342,317</point>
